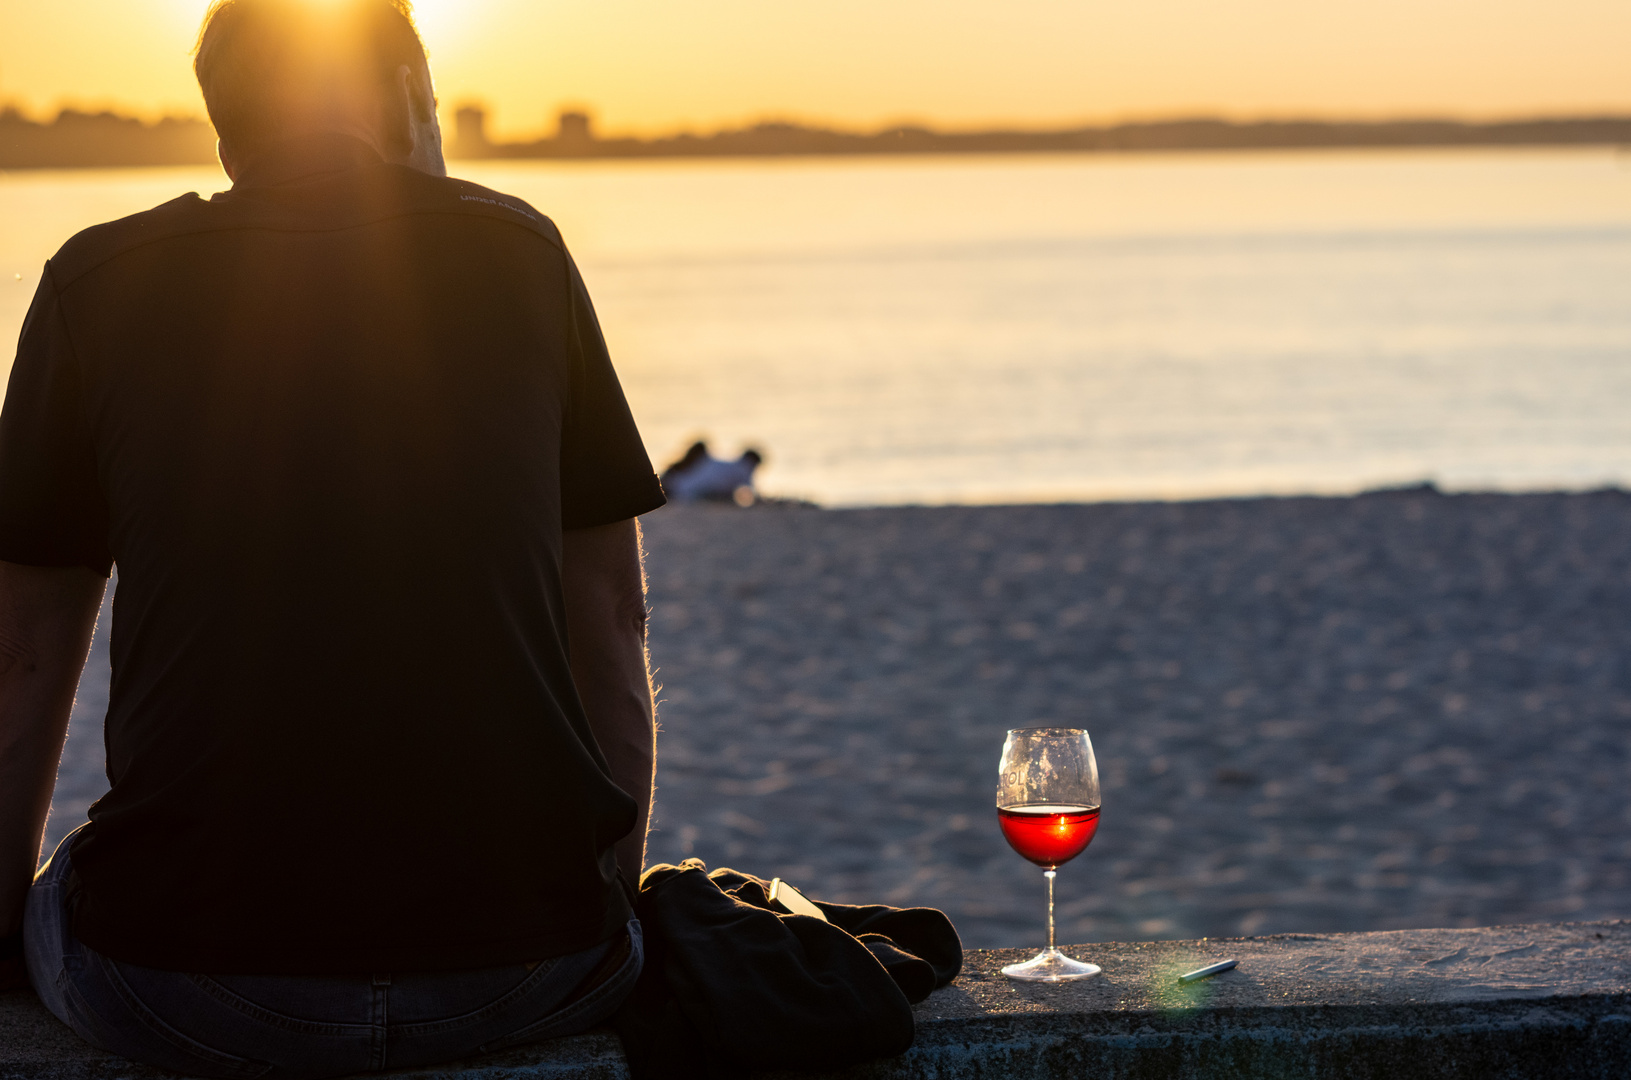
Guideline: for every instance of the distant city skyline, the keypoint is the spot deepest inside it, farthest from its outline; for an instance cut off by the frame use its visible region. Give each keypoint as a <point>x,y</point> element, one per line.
<point>97,140</point>
<point>642,67</point>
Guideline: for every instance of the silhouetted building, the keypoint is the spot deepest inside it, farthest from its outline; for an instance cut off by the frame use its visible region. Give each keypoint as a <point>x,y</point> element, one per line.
<point>574,131</point>
<point>470,132</point>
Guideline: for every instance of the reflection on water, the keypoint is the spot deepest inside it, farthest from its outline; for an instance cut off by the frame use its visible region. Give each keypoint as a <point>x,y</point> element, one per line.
<point>955,329</point>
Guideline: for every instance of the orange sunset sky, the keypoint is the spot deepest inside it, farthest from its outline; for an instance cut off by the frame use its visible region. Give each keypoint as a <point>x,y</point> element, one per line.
<point>654,65</point>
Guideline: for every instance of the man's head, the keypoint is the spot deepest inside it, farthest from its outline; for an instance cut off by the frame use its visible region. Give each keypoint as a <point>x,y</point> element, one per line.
<point>275,69</point>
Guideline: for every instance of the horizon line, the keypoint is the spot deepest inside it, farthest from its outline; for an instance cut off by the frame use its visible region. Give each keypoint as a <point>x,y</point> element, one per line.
<point>12,108</point>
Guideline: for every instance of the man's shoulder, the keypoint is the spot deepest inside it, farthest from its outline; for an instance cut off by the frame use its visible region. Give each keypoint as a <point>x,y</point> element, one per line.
<point>383,193</point>
<point>472,198</point>
<point>98,244</point>
<point>407,191</point>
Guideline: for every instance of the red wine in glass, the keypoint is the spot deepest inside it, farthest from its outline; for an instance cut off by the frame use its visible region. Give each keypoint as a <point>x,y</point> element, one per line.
<point>1048,834</point>
<point>1048,808</point>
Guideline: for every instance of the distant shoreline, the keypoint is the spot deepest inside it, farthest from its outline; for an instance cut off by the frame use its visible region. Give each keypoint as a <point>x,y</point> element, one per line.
<point>575,139</point>
<point>106,140</point>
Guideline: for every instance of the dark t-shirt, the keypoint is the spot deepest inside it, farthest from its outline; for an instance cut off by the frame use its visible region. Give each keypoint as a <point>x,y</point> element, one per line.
<point>330,426</point>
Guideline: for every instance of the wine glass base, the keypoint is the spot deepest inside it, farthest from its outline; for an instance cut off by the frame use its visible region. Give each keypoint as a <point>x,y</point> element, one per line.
<point>1051,965</point>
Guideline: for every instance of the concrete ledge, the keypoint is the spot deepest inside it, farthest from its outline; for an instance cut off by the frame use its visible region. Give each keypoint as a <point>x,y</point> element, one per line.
<point>1513,1001</point>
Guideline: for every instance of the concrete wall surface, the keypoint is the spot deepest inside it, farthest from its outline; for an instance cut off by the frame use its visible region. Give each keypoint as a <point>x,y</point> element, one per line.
<point>1510,1001</point>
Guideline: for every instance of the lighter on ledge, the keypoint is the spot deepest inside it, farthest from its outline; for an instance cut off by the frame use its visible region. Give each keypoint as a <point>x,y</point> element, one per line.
<point>1207,972</point>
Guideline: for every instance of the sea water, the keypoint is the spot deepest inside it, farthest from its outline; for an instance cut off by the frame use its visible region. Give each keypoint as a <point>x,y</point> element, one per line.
<point>988,328</point>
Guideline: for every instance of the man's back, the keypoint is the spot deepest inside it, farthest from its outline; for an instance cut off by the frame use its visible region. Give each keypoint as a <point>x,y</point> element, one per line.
<point>331,426</point>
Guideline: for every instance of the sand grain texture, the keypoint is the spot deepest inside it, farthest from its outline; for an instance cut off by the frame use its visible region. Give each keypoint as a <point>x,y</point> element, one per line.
<point>1397,710</point>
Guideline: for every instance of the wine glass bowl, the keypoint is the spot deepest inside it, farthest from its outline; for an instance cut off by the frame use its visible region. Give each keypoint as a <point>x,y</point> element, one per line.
<point>1048,810</point>
<point>1047,834</point>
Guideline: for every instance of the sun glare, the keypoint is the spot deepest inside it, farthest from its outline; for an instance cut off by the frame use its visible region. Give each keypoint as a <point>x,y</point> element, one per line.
<point>433,16</point>
<point>193,10</point>
<point>439,20</point>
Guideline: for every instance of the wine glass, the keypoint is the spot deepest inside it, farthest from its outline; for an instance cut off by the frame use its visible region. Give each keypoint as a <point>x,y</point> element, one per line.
<point>1048,807</point>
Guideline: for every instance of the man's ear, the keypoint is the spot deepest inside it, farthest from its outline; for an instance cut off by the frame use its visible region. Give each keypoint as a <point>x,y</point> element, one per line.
<point>411,104</point>
<point>397,115</point>
<point>229,160</point>
<point>421,94</point>
<point>409,132</point>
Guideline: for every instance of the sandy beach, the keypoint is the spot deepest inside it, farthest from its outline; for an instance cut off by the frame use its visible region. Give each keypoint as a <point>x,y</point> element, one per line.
<point>1397,710</point>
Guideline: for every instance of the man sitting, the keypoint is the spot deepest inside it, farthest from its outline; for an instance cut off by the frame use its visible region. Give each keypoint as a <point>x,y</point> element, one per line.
<point>352,437</point>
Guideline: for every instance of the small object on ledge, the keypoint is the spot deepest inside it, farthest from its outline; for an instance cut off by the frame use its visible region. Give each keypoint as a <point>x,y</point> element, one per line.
<point>1207,972</point>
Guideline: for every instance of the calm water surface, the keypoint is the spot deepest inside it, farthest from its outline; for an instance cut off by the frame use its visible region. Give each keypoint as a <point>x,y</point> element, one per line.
<point>995,328</point>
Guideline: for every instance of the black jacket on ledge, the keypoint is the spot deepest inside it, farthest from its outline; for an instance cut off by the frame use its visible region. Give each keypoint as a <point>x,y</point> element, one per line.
<point>734,984</point>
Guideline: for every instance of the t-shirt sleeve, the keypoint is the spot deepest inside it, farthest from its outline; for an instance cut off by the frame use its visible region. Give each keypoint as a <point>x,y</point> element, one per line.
<point>52,512</point>
<point>606,475</point>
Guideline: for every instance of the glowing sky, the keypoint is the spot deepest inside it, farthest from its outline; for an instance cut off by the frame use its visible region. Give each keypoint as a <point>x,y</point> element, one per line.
<point>647,65</point>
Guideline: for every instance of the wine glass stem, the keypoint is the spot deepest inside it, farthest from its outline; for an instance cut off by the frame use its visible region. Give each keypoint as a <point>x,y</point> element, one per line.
<point>1049,873</point>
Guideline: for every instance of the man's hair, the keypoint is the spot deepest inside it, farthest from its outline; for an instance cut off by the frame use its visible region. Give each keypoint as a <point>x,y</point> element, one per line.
<point>265,66</point>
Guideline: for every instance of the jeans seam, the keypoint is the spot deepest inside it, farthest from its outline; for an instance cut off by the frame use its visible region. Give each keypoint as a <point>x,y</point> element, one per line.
<point>78,1009</point>
<point>596,997</point>
<point>485,1012</point>
<point>155,1024</point>
<point>380,1016</point>
<point>538,1028</point>
<point>266,1016</point>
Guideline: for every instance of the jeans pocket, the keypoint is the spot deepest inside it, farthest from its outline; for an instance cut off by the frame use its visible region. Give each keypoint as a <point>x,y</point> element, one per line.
<point>229,998</point>
<point>138,1033</point>
<point>585,1012</point>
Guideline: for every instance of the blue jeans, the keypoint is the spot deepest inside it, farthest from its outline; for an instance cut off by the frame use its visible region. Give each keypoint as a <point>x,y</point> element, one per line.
<point>239,1027</point>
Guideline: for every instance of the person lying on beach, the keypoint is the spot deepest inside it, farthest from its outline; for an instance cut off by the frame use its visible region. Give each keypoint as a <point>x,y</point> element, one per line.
<point>701,476</point>
<point>352,437</point>
<point>696,452</point>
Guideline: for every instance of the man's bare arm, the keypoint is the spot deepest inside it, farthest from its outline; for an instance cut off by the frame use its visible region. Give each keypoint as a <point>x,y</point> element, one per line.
<point>605,592</point>
<point>46,618</point>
